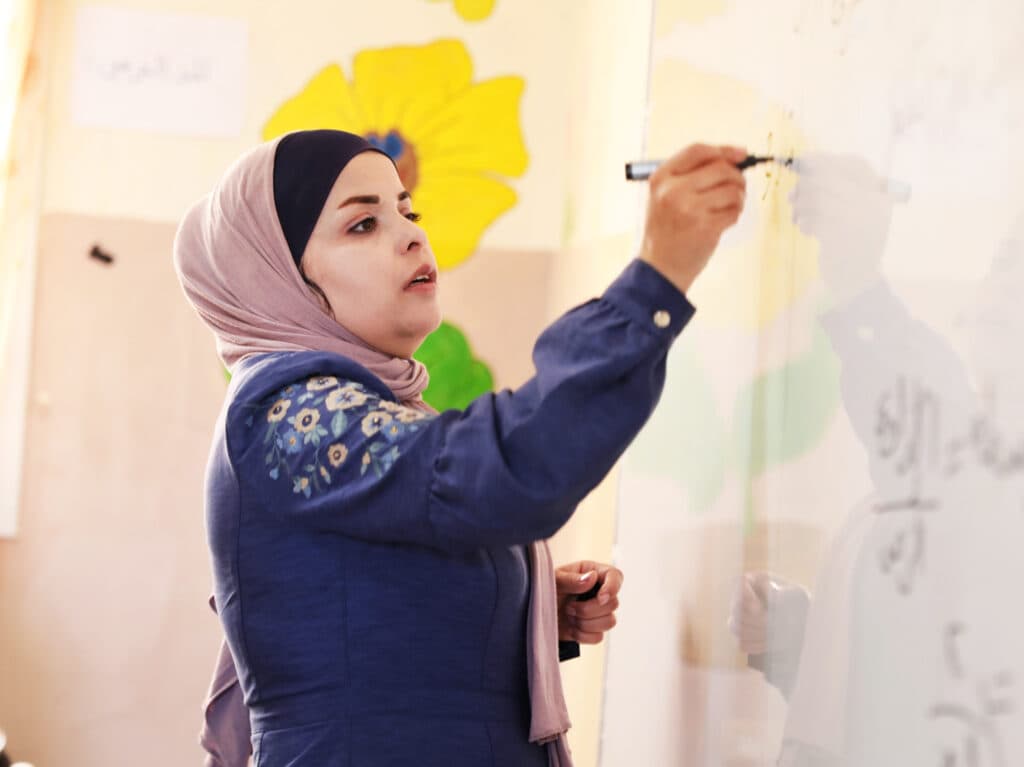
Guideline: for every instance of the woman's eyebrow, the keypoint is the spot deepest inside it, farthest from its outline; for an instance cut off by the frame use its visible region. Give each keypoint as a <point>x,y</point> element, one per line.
<point>372,199</point>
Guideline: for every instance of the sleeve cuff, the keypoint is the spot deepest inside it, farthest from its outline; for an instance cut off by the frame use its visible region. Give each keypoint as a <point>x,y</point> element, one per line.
<point>650,300</point>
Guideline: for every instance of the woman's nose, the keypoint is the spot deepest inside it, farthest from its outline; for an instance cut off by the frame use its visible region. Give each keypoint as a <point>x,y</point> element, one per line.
<point>413,239</point>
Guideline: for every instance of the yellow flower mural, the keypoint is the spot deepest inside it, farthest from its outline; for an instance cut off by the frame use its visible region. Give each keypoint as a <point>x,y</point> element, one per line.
<point>472,10</point>
<point>454,141</point>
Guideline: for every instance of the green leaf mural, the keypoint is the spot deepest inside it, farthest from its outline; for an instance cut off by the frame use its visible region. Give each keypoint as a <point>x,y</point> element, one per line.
<point>456,377</point>
<point>777,417</point>
<point>456,141</point>
<point>688,420</point>
<point>783,413</point>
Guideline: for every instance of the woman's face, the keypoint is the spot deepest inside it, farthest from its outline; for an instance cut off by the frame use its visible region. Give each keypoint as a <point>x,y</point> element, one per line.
<point>370,258</point>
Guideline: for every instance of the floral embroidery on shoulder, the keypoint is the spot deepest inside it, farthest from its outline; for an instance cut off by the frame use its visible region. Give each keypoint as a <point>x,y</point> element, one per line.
<point>408,415</point>
<point>375,421</point>
<point>321,383</point>
<point>279,410</point>
<point>345,397</point>
<point>312,429</point>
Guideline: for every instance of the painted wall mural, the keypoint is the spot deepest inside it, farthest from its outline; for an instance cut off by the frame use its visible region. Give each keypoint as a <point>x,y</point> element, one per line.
<point>776,417</point>
<point>455,141</point>
<point>456,376</point>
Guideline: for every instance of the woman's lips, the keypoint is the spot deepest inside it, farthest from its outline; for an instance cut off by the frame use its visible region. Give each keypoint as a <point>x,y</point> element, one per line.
<point>422,287</point>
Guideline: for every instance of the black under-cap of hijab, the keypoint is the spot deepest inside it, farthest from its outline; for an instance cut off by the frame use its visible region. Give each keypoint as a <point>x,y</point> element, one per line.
<point>306,165</point>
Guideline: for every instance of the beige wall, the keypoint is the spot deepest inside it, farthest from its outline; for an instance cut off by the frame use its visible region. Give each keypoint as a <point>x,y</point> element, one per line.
<point>108,643</point>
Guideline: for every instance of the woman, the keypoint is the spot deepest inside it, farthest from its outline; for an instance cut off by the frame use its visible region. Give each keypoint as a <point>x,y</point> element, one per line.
<point>380,569</point>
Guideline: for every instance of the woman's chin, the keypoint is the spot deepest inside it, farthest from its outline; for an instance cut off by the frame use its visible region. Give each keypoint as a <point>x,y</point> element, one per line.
<point>413,337</point>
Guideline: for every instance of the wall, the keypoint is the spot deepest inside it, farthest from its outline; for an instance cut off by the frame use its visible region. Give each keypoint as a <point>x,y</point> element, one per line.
<point>107,577</point>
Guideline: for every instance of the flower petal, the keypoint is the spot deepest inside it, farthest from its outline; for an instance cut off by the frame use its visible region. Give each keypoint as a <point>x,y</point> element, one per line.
<point>474,10</point>
<point>326,102</point>
<point>477,130</point>
<point>402,87</point>
<point>456,211</point>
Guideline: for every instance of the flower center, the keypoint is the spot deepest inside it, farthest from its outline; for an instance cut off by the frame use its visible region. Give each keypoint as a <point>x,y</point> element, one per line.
<point>402,153</point>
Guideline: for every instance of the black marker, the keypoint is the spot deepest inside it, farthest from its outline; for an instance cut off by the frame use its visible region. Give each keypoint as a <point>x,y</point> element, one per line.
<point>568,650</point>
<point>591,593</point>
<point>642,169</point>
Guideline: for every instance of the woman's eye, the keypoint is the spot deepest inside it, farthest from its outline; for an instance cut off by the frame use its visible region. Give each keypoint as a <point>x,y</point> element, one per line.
<point>414,217</point>
<point>365,226</point>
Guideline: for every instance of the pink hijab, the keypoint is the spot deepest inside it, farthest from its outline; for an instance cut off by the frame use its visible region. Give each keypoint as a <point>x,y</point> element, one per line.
<point>237,271</point>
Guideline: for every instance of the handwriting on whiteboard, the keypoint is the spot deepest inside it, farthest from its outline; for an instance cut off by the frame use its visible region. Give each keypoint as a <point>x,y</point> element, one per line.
<point>913,439</point>
<point>970,719</point>
<point>919,450</point>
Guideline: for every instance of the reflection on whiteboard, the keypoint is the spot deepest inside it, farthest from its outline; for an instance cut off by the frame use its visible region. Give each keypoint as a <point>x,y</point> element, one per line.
<point>898,508</point>
<point>159,72</point>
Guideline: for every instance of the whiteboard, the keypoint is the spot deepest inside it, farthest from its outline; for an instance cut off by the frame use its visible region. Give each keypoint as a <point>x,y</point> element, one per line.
<point>845,410</point>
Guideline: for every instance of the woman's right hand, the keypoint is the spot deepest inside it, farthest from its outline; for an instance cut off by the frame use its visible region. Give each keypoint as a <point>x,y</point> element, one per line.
<point>695,195</point>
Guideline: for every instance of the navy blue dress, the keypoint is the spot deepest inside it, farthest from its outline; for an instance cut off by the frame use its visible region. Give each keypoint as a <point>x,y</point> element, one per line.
<point>369,560</point>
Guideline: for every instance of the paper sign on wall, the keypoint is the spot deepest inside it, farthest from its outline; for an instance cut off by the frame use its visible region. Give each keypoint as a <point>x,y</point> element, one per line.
<point>162,72</point>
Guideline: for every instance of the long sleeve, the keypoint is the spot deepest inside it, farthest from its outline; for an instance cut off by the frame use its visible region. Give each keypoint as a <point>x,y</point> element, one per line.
<point>336,453</point>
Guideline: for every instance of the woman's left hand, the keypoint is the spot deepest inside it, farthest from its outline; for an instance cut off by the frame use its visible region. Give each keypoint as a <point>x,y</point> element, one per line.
<point>586,622</point>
